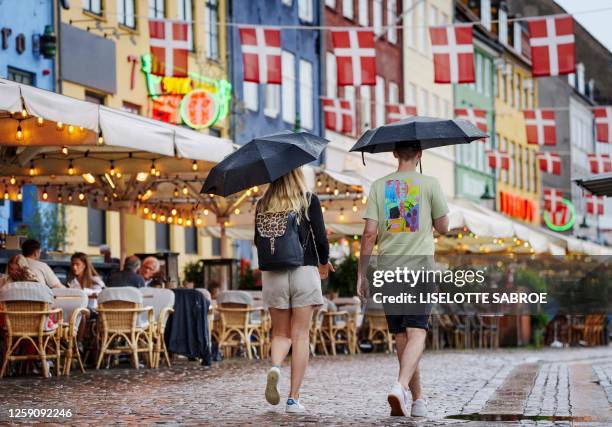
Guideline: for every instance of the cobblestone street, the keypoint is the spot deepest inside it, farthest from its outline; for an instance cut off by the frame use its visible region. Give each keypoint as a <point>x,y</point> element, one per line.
<point>527,387</point>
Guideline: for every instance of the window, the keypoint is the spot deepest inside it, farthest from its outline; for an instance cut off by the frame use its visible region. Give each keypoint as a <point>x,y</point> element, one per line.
<point>532,170</point>
<point>443,19</point>
<point>96,227</point>
<point>162,236</point>
<point>349,95</point>
<point>512,171</point>
<point>433,21</point>
<point>251,95</point>
<point>446,109</point>
<point>126,13</point>
<point>216,246</point>
<point>330,75</point>
<point>288,86</point>
<point>422,27</point>
<point>485,13</point>
<point>185,13</point>
<point>20,76</point>
<point>435,106</point>
<point>380,101</point>
<point>306,102</point>
<point>391,12</point>
<point>366,107</point>
<point>330,3</point>
<point>347,9</point>
<point>305,10</point>
<point>519,167</point>
<point>517,32</point>
<point>517,92</point>
<point>191,240</point>
<point>580,77</point>
<point>272,100</point>
<point>377,17</point>
<point>393,93</point>
<point>93,6</point>
<point>526,85</point>
<point>479,73</point>
<point>95,98</point>
<point>410,95</point>
<point>17,208</point>
<point>503,146</point>
<point>487,77</point>
<point>211,25</point>
<point>423,106</point>
<point>503,27</point>
<point>130,108</point>
<point>409,23</point>
<point>157,9</point>
<point>288,2</point>
<point>364,13</point>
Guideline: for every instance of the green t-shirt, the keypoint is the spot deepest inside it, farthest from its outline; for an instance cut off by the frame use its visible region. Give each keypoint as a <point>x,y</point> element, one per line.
<point>405,205</point>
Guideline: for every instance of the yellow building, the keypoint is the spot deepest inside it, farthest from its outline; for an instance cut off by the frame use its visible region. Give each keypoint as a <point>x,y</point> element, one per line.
<point>118,32</point>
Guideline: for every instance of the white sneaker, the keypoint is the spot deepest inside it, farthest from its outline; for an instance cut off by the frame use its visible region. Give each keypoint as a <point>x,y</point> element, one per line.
<point>397,400</point>
<point>419,408</point>
<point>294,406</point>
<point>272,394</point>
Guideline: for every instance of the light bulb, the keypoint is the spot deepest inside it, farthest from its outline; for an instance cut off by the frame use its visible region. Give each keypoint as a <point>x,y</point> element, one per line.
<point>24,113</point>
<point>153,170</point>
<point>185,190</point>
<point>40,121</point>
<point>248,193</point>
<point>323,209</point>
<point>70,129</point>
<point>319,183</point>
<point>13,180</point>
<point>327,189</point>
<point>45,195</point>
<point>176,192</point>
<point>255,189</point>
<point>118,174</point>
<point>20,196</point>
<point>364,200</point>
<point>162,218</point>
<point>158,173</point>
<point>32,170</point>
<point>205,211</point>
<point>199,221</point>
<point>336,191</point>
<point>188,223</point>
<point>19,133</point>
<point>354,208</point>
<point>179,221</point>
<point>6,195</point>
<point>153,215</point>
<point>170,220</point>
<point>112,169</point>
<point>173,211</point>
<point>237,211</point>
<point>70,197</point>
<point>59,126</point>
<point>65,150</point>
<point>341,217</point>
<point>81,196</point>
<point>100,140</point>
<point>194,166</point>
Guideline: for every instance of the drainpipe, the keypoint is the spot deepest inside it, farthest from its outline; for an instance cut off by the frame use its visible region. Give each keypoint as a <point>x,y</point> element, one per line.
<point>322,65</point>
<point>230,63</point>
<point>58,30</point>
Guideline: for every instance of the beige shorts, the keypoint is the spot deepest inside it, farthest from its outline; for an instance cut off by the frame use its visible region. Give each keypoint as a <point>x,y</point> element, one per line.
<point>295,287</point>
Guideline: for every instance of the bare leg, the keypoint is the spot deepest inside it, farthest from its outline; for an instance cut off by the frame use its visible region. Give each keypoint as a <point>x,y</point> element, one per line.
<point>414,384</point>
<point>281,334</point>
<point>300,330</point>
<point>409,361</point>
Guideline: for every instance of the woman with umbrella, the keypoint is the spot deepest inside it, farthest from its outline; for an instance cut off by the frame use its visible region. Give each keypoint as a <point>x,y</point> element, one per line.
<point>291,241</point>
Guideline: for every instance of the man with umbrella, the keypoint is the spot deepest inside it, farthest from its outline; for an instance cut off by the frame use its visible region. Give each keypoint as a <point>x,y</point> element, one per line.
<point>403,210</point>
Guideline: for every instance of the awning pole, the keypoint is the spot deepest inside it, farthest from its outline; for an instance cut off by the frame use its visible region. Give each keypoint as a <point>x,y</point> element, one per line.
<point>122,235</point>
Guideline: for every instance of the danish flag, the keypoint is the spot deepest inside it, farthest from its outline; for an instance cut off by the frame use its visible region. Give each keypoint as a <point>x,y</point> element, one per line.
<point>498,159</point>
<point>475,115</point>
<point>261,55</point>
<point>540,126</point>
<point>338,115</point>
<point>355,57</point>
<point>603,122</point>
<point>552,199</point>
<point>552,45</point>
<point>550,163</point>
<point>169,42</point>
<point>453,52</point>
<point>594,204</point>
<point>600,163</point>
<point>397,112</point>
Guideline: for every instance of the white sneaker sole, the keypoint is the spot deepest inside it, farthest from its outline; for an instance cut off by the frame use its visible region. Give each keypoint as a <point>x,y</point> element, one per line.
<point>272,395</point>
<point>397,409</point>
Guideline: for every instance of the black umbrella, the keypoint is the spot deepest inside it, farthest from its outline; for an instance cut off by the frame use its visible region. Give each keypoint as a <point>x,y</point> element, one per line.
<point>263,160</point>
<point>429,132</point>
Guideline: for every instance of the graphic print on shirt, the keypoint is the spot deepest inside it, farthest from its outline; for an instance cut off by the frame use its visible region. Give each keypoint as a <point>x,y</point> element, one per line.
<point>402,205</point>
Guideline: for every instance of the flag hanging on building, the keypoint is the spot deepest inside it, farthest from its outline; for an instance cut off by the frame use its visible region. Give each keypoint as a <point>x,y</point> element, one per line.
<point>600,163</point>
<point>552,45</point>
<point>594,204</point>
<point>474,115</point>
<point>553,199</point>
<point>338,115</point>
<point>540,127</point>
<point>453,52</point>
<point>603,122</point>
<point>498,159</point>
<point>169,42</point>
<point>550,163</point>
<point>396,112</point>
<point>261,55</point>
<point>355,57</point>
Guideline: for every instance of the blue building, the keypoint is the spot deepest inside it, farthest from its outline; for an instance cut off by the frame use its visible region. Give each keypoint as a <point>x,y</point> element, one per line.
<point>21,25</point>
<point>260,109</point>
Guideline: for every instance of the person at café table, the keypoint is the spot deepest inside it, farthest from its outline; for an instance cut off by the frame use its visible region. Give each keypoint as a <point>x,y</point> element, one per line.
<point>31,251</point>
<point>128,276</point>
<point>149,269</point>
<point>84,276</point>
<point>17,270</point>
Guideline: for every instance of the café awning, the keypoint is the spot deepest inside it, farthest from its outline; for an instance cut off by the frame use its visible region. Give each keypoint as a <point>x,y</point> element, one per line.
<point>598,185</point>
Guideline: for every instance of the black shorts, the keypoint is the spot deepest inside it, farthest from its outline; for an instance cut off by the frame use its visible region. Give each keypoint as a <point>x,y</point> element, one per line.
<point>399,322</point>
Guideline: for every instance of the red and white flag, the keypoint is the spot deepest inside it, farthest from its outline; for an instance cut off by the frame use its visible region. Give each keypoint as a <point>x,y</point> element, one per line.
<point>600,163</point>
<point>540,126</point>
<point>552,45</point>
<point>397,112</point>
<point>550,163</point>
<point>261,55</point>
<point>169,42</point>
<point>552,199</point>
<point>594,204</point>
<point>355,57</point>
<point>498,159</point>
<point>603,122</point>
<point>453,52</point>
<point>338,115</point>
<point>474,115</point>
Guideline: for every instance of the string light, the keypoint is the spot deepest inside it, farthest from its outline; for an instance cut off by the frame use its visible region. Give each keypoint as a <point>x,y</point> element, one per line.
<point>188,223</point>
<point>237,211</point>
<point>194,166</point>
<point>64,150</point>
<point>162,218</point>
<point>153,215</point>
<point>32,168</point>
<point>59,126</point>
<point>19,133</point>
<point>248,193</point>
<point>118,174</point>
<point>199,221</point>
<point>336,191</point>
<point>70,197</point>
<point>206,212</point>
<point>20,195</point>
<point>81,196</point>
<point>364,200</point>
<point>354,207</point>
<point>13,180</point>
<point>100,139</point>
<point>141,176</point>
<point>176,192</point>
<point>255,189</point>
<point>45,195</point>
<point>179,221</point>
<point>24,113</point>
<point>185,190</point>
<point>173,211</point>
<point>319,183</point>
<point>112,168</point>
<point>6,195</point>
<point>327,189</point>
<point>170,220</point>
<point>40,121</point>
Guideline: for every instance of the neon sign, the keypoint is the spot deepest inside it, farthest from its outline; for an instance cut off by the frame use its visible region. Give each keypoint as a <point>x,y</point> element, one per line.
<point>566,225</point>
<point>197,101</point>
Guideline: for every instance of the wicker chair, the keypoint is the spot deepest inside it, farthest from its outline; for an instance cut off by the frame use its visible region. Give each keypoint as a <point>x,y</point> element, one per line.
<point>317,341</point>
<point>162,301</point>
<point>26,308</point>
<point>122,317</point>
<point>378,331</point>
<point>241,324</point>
<point>73,303</point>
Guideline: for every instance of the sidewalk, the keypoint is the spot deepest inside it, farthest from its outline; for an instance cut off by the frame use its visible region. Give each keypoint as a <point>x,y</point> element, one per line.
<point>552,387</point>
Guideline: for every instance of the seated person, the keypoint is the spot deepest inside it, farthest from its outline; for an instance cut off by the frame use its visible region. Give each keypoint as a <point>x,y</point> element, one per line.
<point>84,276</point>
<point>128,276</point>
<point>31,251</point>
<point>18,270</point>
<point>149,269</point>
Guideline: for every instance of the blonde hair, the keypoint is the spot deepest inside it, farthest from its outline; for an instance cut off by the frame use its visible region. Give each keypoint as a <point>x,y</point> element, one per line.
<point>23,272</point>
<point>287,193</point>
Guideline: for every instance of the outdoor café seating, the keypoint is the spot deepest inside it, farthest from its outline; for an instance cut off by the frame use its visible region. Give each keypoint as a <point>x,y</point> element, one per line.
<point>73,303</point>
<point>162,301</point>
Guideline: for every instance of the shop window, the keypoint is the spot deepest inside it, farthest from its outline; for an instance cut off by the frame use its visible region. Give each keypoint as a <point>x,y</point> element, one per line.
<point>95,98</point>
<point>162,236</point>
<point>20,76</point>
<point>96,227</point>
<point>157,9</point>
<point>212,29</point>
<point>130,108</point>
<point>216,246</point>
<point>185,13</point>
<point>191,240</point>
<point>93,6</point>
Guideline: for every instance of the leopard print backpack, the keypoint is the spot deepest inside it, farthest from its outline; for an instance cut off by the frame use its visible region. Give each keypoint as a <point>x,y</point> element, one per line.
<point>278,241</point>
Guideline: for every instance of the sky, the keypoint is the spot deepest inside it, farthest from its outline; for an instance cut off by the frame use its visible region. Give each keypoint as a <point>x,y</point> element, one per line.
<point>596,23</point>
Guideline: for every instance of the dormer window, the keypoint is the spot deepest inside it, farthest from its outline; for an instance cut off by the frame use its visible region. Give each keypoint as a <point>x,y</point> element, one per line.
<point>517,35</point>
<point>580,77</point>
<point>503,27</point>
<point>485,13</point>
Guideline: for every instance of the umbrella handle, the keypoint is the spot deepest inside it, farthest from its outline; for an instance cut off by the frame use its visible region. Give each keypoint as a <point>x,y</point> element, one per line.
<point>363,157</point>
<point>421,166</point>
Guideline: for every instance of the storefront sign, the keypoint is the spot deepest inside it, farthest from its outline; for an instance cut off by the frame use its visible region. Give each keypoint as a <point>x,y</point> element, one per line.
<point>561,221</point>
<point>517,206</point>
<point>197,101</point>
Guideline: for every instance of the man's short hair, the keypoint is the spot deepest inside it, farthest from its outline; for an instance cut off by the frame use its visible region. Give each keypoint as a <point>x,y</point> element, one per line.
<point>407,152</point>
<point>131,263</point>
<point>29,247</point>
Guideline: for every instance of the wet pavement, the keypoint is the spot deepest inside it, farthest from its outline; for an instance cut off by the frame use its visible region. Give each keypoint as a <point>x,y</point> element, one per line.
<point>520,387</point>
